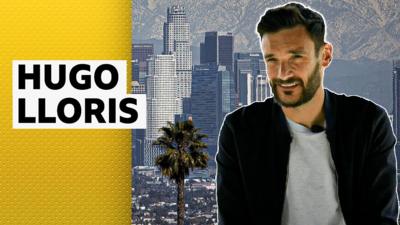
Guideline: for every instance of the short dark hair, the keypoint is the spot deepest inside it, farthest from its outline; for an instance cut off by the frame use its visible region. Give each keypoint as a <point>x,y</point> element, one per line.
<point>291,15</point>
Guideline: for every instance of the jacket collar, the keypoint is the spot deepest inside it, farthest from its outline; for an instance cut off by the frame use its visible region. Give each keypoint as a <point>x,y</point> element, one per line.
<point>331,113</point>
<point>329,110</point>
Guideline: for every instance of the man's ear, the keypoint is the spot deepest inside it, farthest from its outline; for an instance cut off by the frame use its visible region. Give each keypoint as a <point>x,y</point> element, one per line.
<point>327,54</point>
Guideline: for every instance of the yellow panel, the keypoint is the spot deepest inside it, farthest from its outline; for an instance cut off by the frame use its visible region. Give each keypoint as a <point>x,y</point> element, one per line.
<point>63,176</point>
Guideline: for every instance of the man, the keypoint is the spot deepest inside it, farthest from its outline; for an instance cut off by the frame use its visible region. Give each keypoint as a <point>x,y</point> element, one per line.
<point>307,156</point>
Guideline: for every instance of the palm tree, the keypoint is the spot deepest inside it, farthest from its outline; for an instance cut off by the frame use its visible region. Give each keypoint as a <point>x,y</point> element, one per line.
<point>183,152</point>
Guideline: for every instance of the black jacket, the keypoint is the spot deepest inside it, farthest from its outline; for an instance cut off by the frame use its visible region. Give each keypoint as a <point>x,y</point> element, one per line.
<point>252,160</point>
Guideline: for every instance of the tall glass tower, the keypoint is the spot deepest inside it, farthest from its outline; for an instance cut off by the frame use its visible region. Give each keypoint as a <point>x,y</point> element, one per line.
<point>255,87</point>
<point>177,42</point>
<point>217,48</point>
<point>211,100</point>
<point>161,101</point>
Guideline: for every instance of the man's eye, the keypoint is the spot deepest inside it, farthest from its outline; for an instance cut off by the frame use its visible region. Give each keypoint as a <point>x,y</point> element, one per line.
<point>297,56</point>
<point>271,60</point>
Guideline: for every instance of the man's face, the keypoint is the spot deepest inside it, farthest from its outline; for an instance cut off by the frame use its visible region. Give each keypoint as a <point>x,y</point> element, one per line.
<point>293,68</point>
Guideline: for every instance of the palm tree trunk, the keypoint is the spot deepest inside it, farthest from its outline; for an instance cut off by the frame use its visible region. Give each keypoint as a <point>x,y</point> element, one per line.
<point>181,200</point>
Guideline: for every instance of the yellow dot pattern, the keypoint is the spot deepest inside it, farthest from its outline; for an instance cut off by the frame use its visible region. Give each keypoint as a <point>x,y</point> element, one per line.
<point>63,176</point>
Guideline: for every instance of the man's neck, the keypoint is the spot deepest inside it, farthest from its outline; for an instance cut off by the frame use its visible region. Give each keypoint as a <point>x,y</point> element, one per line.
<point>310,113</point>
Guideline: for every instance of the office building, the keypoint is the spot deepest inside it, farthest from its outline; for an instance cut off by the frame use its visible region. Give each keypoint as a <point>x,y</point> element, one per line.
<point>177,42</point>
<point>140,54</point>
<point>211,100</point>
<point>250,64</point>
<point>161,101</point>
<point>217,48</point>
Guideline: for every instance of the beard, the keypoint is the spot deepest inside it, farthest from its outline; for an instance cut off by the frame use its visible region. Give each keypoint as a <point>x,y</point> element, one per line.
<point>307,92</point>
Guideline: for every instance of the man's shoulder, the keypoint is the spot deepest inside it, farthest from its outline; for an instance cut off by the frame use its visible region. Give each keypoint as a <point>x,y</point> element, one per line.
<point>252,113</point>
<point>355,105</point>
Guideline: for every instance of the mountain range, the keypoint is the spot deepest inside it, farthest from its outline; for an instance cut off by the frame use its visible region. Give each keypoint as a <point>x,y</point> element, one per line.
<point>357,28</point>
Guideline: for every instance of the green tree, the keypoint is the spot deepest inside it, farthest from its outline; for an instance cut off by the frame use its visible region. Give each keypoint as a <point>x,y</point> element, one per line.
<point>183,147</point>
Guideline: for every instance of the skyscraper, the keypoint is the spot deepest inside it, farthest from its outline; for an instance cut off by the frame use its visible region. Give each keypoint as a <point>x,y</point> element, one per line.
<point>140,54</point>
<point>245,87</point>
<point>209,48</point>
<point>217,48</point>
<point>177,42</point>
<point>253,64</point>
<point>211,100</point>
<point>396,104</point>
<point>138,135</point>
<point>136,72</point>
<point>225,50</point>
<point>225,88</point>
<point>261,87</point>
<point>161,101</point>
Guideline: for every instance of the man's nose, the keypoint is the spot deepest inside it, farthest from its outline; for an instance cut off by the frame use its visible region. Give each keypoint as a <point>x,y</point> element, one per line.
<point>284,70</point>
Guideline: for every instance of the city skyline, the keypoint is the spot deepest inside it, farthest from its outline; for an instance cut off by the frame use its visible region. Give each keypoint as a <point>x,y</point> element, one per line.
<point>218,58</point>
<point>248,80</point>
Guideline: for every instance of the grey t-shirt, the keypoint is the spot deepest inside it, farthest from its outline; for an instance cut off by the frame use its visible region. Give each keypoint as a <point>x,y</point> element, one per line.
<point>311,190</point>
